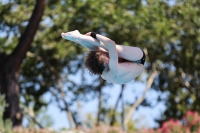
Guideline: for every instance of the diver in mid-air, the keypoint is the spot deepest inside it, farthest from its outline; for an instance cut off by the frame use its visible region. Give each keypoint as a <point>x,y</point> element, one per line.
<point>117,64</point>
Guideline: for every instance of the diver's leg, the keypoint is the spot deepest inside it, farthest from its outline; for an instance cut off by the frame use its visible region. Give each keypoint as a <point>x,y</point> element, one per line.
<point>126,52</point>
<point>129,53</point>
<point>87,41</point>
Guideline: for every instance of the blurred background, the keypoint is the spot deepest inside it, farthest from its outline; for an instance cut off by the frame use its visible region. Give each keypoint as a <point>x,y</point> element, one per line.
<point>44,85</point>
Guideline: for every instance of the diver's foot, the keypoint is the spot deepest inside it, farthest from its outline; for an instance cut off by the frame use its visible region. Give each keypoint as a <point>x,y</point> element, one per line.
<point>72,35</point>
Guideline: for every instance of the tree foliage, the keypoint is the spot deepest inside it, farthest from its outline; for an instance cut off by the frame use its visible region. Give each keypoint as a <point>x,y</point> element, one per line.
<point>179,74</point>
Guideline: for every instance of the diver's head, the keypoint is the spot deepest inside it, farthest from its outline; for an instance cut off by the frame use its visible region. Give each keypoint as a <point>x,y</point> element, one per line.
<point>96,62</point>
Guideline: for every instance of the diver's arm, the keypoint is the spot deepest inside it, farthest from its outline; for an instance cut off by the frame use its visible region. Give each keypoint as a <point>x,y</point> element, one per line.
<point>110,46</point>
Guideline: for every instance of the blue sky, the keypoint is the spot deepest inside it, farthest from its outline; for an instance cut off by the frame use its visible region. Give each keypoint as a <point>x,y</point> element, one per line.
<point>144,116</point>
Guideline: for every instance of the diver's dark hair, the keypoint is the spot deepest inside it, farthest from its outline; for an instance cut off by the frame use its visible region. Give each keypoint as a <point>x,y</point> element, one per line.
<point>94,62</point>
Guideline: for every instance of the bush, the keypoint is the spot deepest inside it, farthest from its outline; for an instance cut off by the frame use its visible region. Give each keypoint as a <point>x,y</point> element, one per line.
<point>5,127</point>
<point>190,123</point>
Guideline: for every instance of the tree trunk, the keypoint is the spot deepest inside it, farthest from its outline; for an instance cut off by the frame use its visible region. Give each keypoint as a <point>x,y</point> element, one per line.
<point>9,67</point>
<point>9,87</point>
<point>100,98</point>
<point>71,118</point>
<point>116,105</point>
<point>140,100</point>
<point>99,107</point>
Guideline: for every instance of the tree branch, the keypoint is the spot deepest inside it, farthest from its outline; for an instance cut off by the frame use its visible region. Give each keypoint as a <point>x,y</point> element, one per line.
<point>115,108</point>
<point>19,53</point>
<point>36,122</point>
<point>184,82</point>
<point>69,114</point>
<point>66,108</point>
<point>139,101</point>
<point>99,89</point>
<point>31,115</point>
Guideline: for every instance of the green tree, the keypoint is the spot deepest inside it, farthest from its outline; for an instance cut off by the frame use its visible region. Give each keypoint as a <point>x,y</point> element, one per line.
<point>11,56</point>
<point>168,33</point>
<point>5,126</point>
<point>179,54</point>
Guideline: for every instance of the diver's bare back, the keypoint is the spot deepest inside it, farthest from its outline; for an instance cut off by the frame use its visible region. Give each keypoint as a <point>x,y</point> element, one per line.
<point>128,72</point>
